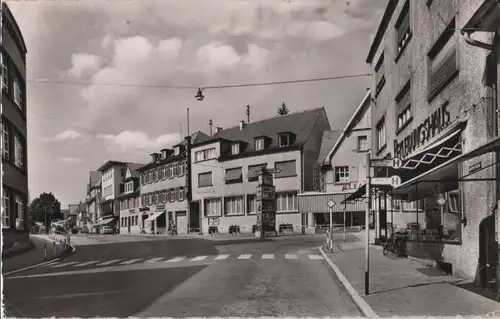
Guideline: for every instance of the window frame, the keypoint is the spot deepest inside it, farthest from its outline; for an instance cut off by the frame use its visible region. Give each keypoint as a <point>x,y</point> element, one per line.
<point>402,41</point>
<point>341,170</point>
<point>259,142</point>
<point>233,202</point>
<point>235,149</point>
<point>20,201</point>
<point>359,148</point>
<point>208,202</point>
<point>381,124</point>
<point>284,135</point>
<point>211,178</point>
<point>404,107</point>
<point>6,139</point>
<point>5,74</point>
<point>6,207</point>
<point>253,199</point>
<point>295,174</point>
<point>286,195</point>
<point>380,79</point>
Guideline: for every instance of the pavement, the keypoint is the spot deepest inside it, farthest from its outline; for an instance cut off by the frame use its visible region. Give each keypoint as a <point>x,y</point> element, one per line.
<point>406,287</point>
<point>191,277</point>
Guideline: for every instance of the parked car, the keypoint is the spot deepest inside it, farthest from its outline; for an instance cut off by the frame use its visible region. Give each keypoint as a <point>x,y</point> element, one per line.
<point>107,230</point>
<point>85,230</point>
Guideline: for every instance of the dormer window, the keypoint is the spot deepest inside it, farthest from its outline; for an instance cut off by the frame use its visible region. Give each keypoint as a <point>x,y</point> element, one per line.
<point>235,148</point>
<point>284,139</point>
<point>177,150</point>
<point>259,144</point>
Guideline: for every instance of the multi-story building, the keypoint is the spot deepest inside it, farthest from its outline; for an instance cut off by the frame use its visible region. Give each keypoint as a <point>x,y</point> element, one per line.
<point>130,201</point>
<point>165,189</point>
<point>341,170</point>
<point>223,169</point>
<point>93,197</point>
<point>15,224</point>
<point>435,107</point>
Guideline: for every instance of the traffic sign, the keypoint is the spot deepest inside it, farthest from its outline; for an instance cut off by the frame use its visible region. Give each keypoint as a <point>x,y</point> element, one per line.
<point>330,203</point>
<point>393,162</point>
<point>393,181</point>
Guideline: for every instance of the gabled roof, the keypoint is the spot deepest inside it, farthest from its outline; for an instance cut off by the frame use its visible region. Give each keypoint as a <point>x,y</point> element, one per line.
<point>300,124</point>
<point>134,169</point>
<point>349,125</point>
<point>327,143</point>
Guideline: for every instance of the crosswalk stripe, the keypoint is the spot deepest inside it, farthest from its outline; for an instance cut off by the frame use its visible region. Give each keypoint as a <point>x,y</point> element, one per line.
<point>290,256</point>
<point>153,260</point>
<point>268,256</point>
<point>176,259</point>
<point>108,262</point>
<point>315,257</point>
<point>199,258</point>
<point>87,263</point>
<point>65,264</point>
<point>52,263</point>
<point>245,256</point>
<point>129,262</point>
<point>221,257</point>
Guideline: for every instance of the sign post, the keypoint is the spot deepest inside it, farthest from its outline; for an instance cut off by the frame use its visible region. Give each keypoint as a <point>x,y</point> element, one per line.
<point>330,203</point>
<point>266,204</point>
<point>367,226</point>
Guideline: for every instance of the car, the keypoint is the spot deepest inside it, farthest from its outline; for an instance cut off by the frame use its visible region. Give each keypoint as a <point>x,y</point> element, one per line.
<point>85,230</point>
<point>107,230</point>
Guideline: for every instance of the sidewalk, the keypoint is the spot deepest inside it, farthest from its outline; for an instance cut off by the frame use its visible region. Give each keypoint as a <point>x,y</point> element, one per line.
<point>404,287</point>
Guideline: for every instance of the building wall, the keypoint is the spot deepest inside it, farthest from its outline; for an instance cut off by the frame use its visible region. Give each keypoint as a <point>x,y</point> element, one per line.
<point>114,181</point>
<point>466,89</point>
<point>220,189</point>
<point>135,219</point>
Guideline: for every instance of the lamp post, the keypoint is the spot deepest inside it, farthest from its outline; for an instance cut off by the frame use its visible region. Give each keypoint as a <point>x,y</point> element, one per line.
<point>441,201</point>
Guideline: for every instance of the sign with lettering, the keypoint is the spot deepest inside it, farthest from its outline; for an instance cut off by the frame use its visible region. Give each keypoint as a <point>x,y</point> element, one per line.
<point>393,181</point>
<point>265,192</point>
<point>266,179</point>
<point>434,124</point>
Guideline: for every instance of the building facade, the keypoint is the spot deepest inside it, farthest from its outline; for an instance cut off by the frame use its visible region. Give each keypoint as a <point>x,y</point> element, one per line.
<point>93,197</point>
<point>435,102</point>
<point>130,201</point>
<point>223,169</point>
<point>15,224</point>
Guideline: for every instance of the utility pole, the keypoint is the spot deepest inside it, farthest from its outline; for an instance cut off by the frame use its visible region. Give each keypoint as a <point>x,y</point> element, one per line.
<point>367,225</point>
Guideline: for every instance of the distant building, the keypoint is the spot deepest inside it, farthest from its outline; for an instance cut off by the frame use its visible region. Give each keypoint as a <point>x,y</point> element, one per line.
<point>130,201</point>
<point>93,197</point>
<point>223,170</point>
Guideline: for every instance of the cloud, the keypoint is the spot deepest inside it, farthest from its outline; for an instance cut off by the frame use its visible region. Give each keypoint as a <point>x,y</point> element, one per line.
<point>217,55</point>
<point>64,136</point>
<point>127,141</point>
<point>69,160</point>
<point>83,63</point>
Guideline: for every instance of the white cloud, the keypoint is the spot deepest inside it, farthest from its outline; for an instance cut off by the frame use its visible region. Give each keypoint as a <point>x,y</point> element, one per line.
<point>64,136</point>
<point>107,40</point>
<point>130,51</point>
<point>317,30</point>
<point>216,55</point>
<point>127,141</point>
<point>83,63</point>
<point>69,160</point>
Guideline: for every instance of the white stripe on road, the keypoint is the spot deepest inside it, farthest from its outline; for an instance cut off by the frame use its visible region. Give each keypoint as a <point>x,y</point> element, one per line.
<point>221,257</point>
<point>108,262</point>
<point>199,258</point>
<point>52,263</point>
<point>245,256</point>
<point>268,256</point>
<point>65,264</point>
<point>131,261</point>
<point>154,260</point>
<point>315,257</point>
<point>176,259</point>
<point>87,263</point>
<point>290,256</point>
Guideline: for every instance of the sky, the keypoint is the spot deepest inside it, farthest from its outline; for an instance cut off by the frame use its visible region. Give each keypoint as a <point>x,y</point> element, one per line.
<point>92,68</point>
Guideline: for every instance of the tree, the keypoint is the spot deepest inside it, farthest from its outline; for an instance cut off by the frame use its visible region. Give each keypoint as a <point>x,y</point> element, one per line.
<point>45,208</point>
<point>283,110</point>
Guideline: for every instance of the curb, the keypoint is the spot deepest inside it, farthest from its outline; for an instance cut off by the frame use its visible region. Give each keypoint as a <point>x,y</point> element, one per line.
<point>73,249</point>
<point>358,300</point>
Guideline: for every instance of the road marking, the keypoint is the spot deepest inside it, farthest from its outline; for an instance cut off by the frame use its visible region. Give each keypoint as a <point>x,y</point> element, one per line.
<point>52,263</point>
<point>131,261</point>
<point>268,256</point>
<point>154,260</point>
<point>221,257</point>
<point>64,264</point>
<point>245,256</point>
<point>176,259</point>
<point>199,258</point>
<point>87,263</point>
<point>315,257</point>
<point>67,296</point>
<point>291,256</point>
<point>108,262</point>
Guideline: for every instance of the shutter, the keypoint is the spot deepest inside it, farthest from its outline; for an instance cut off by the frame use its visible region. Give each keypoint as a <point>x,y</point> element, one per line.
<point>404,102</point>
<point>205,179</point>
<point>353,174</point>
<point>287,169</point>
<point>444,70</point>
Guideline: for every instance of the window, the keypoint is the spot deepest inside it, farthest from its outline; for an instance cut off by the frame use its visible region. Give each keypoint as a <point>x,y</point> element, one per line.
<point>161,172</point>
<point>380,130</point>
<point>403,29</point>
<point>286,169</point>
<point>341,174</point>
<point>176,194</point>
<point>19,151</point>
<point>284,140</point>
<point>234,205</point>
<point>18,94</point>
<point>151,177</point>
<point>379,75</point>
<point>142,179</point>
<point>286,202</point>
<point>442,61</point>
<point>251,204</point>
<point>205,179</point>
<point>143,200</point>
<point>5,75</point>
<point>150,199</point>
<point>235,148</point>
<point>129,187</point>
<point>213,207</point>
<point>182,193</point>
<point>19,212</point>
<point>5,139</point>
<point>146,177</point>
<point>403,106</point>
<point>6,196</point>
<point>172,195</point>
<point>181,169</point>
<point>233,175</point>
<point>175,169</point>
<point>155,172</point>
<point>204,154</point>
<point>259,144</point>
<point>252,177</point>
<point>363,143</point>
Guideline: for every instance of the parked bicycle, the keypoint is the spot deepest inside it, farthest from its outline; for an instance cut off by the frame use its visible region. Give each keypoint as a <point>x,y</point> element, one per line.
<point>395,243</point>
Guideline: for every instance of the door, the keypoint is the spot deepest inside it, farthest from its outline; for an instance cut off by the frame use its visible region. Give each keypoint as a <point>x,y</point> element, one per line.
<point>128,224</point>
<point>194,217</point>
<point>488,251</point>
<point>181,222</point>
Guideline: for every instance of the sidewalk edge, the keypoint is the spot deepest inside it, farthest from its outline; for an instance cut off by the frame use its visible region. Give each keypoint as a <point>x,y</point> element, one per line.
<point>73,249</point>
<point>358,300</point>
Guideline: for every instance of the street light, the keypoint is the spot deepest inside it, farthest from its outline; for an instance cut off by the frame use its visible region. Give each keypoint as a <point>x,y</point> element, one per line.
<point>199,95</point>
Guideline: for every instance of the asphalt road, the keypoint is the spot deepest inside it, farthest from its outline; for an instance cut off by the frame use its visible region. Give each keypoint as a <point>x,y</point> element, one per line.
<point>182,278</point>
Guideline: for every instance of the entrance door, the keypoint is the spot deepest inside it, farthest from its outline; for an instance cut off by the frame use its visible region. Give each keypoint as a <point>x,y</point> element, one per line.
<point>194,217</point>
<point>488,250</point>
<point>181,222</point>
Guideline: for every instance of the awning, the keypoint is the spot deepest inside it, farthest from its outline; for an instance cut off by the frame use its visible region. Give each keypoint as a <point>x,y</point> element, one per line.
<point>103,222</point>
<point>315,202</point>
<point>154,216</point>
<point>233,175</point>
<point>360,193</point>
<point>445,175</point>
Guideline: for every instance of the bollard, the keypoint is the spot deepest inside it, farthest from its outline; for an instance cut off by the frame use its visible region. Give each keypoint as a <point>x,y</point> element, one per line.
<point>45,252</point>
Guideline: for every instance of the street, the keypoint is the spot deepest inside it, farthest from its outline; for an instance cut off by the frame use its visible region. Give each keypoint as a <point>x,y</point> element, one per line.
<point>183,278</point>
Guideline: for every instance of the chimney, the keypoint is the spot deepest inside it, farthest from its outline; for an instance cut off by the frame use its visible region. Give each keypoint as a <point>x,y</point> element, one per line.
<point>242,125</point>
<point>218,129</point>
<point>154,157</point>
<point>210,125</point>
